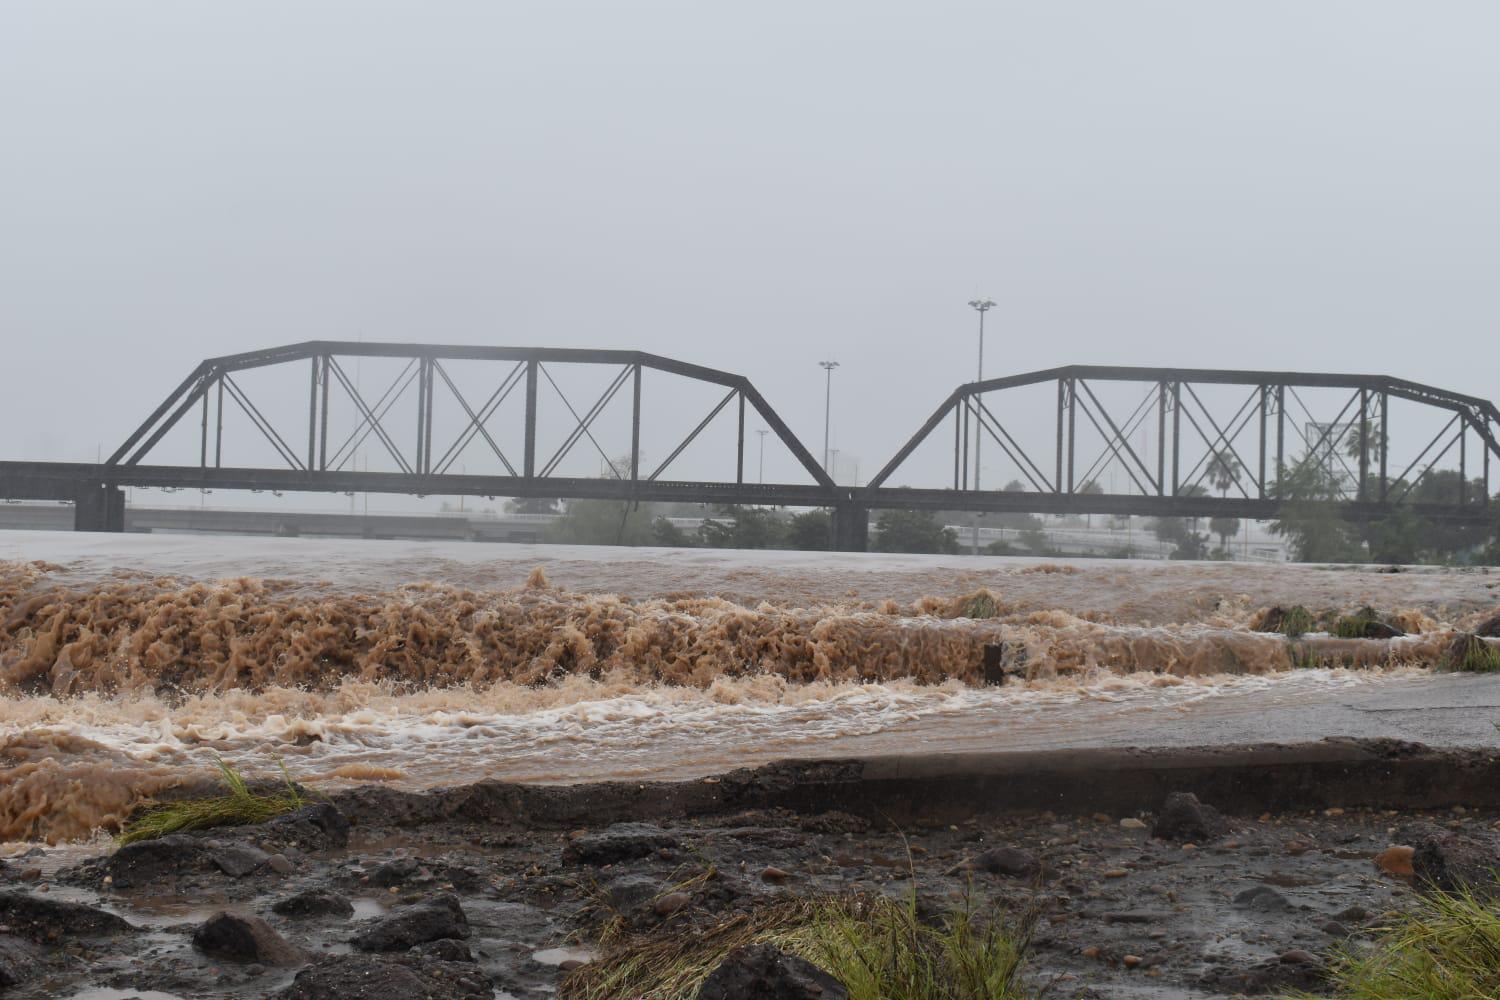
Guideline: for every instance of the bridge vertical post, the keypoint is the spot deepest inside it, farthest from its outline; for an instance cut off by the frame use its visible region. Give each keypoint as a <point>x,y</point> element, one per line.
<point>422,390</point>
<point>1364,442</point>
<point>1265,392</point>
<point>1061,410</point>
<point>312,416</point>
<point>739,464</point>
<point>530,466</point>
<point>1072,428</point>
<point>99,506</point>
<point>1385,445</point>
<point>1161,439</point>
<point>203,452</point>
<point>966,443</point>
<point>957,425</point>
<point>426,466</point>
<point>1176,437</point>
<point>851,527</point>
<point>1463,460</point>
<point>1280,433</point>
<point>635,425</point>
<point>323,422</point>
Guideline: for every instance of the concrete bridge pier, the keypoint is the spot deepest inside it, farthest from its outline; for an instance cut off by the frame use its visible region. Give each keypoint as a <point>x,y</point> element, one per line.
<point>99,507</point>
<point>851,527</point>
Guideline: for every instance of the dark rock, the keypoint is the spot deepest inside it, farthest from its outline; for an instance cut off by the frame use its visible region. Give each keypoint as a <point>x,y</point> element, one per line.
<point>1450,862</point>
<point>1273,976</point>
<point>444,950</point>
<point>834,822</point>
<point>429,920</point>
<point>1352,915</point>
<point>148,862</point>
<point>48,921</point>
<point>314,903</point>
<point>1490,628</point>
<point>18,962</point>
<point>318,827</point>
<point>238,860</point>
<point>630,891</point>
<point>1297,956</point>
<point>1262,899</point>
<point>1010,861</point>
<point>620,842</point>
<point>1184,818</point>
<point>233,938</point>
<point>1335,929</point>
<point>761,972</point>
<point>766,836</point>
<point>1382,630</point>
<point>365,977</point>
<point>397,872</point>
<point>280,864</point>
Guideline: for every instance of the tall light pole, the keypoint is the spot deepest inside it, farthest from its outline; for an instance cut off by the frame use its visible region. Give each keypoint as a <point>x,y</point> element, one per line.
<point>762,432</point>
<point>980,306</point>
<point>827,366</point>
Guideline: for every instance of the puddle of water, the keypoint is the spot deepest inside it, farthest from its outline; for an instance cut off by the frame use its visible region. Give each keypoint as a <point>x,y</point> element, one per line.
<point>557,956</point>
<point>364,909</point>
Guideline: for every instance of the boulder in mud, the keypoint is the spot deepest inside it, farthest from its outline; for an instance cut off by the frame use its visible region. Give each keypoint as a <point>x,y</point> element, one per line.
<point>1489,628</point>
<point>620,842</point>
<point>1011,861</point>
<point>430,920</point>
<point>238,860</point>
<point>18,962</point>
<point>316,827</point>
<point>1451,862</point>
<point>1183,818</point>
<point>149,862</point>
<point>233,938</point>
<point>314,903</point>
<point>1262,899</point>
<point>762,972</point>
<point>47,921</point>
<point>366,977</point>
<point>628,892</point>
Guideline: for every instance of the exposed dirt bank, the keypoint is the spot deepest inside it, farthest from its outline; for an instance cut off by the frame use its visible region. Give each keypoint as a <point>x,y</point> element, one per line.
<point>466,891</point>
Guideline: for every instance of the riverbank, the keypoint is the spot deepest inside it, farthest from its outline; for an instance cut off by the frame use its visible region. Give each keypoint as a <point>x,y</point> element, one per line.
<point>497,886</point>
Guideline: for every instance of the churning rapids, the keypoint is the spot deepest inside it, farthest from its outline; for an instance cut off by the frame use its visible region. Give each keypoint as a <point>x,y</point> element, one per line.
<point>127,663</point>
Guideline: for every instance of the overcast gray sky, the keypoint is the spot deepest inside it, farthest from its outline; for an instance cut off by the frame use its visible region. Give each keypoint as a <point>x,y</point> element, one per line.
<point>755,187</point>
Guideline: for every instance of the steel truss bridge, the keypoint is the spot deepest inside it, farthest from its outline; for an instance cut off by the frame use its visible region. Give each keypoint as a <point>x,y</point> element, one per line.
<point>1179,439</point>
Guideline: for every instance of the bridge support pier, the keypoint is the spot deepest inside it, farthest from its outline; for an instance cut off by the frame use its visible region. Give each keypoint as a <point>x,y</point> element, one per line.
<point>99,507</point>
<point>851,527</point>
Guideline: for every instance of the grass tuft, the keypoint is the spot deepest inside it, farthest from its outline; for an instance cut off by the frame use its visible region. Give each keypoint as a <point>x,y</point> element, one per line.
<point>1293,622</point>
<point>1471,654</point>
<point>980,604</point>
<point>241,807</point>
<point>879,948</point>
<point>1448,948</point>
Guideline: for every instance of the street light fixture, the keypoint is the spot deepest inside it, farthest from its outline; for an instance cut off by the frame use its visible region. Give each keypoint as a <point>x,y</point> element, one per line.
<point>980,306</point>
<point>827,366</point>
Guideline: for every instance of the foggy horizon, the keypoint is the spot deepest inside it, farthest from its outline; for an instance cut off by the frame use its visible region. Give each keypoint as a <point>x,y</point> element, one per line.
<point>753,191</point>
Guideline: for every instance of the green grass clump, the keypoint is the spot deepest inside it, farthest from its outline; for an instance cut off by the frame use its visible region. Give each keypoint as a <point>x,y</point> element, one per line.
<point>980,604</point>
<point>1448,948</point>
<point>879,948</point>
<point>1293,622</point>
<point>1471,654</point>
<point>241,807</point>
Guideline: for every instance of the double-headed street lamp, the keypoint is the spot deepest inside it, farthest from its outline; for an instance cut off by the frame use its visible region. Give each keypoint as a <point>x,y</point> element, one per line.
<point>827,366</point>
<point>981,306</point>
